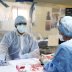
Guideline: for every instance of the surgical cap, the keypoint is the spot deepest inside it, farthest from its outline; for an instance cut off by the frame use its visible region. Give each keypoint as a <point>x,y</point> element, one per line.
<point>65,26</point>
<point>20,19</point>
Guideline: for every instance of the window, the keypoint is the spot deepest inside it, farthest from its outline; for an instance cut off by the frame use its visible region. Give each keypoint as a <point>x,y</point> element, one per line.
<point>21,11</point>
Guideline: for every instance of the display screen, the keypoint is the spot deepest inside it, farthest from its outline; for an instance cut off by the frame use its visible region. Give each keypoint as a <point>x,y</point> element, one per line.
<point>68,11</point>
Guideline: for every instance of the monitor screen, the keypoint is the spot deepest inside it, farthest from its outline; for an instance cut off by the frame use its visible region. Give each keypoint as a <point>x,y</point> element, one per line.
<point>68,11</point>
<point>43,44</point>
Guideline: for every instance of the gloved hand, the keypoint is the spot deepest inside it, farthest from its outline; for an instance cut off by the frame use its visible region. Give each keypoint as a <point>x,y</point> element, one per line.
<point>3,63</point>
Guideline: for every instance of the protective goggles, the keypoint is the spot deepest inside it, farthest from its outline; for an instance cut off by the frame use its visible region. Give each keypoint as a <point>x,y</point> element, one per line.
<point>21,24</point>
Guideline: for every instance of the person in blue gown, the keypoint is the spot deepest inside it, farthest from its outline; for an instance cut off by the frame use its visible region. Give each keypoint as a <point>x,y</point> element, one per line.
<point>62,61</point>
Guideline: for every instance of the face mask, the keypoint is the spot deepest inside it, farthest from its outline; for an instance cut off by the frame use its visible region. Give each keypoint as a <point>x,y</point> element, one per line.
<point>61,37</point>
<point>21,28</point>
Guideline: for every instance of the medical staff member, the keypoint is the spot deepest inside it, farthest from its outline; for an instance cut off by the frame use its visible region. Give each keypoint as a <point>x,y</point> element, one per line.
<point>62,61</point>
<point>20,44</point>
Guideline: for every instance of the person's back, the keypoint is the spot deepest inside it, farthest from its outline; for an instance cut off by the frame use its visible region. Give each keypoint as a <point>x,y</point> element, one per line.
<point>64,56</point>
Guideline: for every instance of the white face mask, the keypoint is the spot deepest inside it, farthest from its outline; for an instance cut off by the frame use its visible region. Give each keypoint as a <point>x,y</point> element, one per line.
<point>61,37</point>
<point>22,28</point>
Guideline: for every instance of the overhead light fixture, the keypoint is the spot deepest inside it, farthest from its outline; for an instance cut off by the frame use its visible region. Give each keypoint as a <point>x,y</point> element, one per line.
<point>24,0</point>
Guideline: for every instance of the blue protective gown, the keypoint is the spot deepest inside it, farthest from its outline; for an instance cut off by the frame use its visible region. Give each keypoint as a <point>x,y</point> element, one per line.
<point>62,61</point>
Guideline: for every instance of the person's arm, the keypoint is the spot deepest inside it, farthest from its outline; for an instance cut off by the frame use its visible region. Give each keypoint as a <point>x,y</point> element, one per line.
<point>4,44</point>
<point>60,61</point>
<point>34,50</point>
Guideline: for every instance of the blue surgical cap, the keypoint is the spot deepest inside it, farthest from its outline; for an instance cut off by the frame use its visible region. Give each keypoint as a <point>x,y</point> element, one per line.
<point>20,19</point>
<point>65,26</point>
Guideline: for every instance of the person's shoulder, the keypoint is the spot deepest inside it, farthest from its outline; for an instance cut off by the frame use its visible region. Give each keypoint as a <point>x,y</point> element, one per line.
<point>9,33</point>
<point>66,45</point>
<point>31,36</point>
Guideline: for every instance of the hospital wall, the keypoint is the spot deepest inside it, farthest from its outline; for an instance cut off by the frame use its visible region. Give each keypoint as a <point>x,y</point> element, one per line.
<point>40,19</point>
<point>41,12</point>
